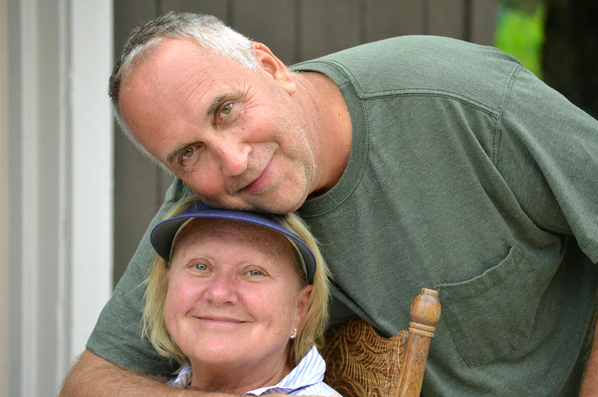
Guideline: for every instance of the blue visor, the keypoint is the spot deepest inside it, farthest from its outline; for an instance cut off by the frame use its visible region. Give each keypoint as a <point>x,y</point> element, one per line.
<point>163,234</point>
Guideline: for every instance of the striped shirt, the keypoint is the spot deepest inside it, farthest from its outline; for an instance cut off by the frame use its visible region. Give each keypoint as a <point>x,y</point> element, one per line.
<point>306,379</point>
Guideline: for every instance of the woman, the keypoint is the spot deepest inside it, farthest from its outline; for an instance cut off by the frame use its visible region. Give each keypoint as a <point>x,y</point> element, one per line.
<point>241,299</point>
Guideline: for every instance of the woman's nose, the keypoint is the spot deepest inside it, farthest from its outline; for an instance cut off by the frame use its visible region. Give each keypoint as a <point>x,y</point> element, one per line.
<point>221,291</point>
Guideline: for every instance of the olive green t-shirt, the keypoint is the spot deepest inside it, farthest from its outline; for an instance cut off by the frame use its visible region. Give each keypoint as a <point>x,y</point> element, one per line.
<point>467,175</point>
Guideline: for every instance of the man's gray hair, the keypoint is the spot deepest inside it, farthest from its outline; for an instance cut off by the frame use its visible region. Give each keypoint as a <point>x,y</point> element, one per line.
<point>207,31</point>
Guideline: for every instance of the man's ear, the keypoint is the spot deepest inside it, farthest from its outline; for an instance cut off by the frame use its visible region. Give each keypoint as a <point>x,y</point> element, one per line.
<point>270,64</point>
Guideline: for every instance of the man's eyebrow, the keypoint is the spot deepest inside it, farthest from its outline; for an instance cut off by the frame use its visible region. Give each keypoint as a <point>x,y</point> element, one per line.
<point>170,157</point>
<point>215,105</point>
<point>221,98</point>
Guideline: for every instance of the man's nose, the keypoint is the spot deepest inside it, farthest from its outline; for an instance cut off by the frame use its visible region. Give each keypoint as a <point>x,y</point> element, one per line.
<point>221,290</point>
<point>233,156</point>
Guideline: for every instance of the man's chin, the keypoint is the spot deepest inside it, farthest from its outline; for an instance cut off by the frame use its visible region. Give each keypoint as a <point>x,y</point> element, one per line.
<point>225,206</point>
<point>271,209</point>
<point>281,207</point>
<point>268,203</point>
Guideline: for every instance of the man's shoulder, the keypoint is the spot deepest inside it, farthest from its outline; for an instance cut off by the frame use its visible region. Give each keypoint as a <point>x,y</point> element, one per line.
<point>429,52</point>
<point>177,191</point>
<point>424,65</point>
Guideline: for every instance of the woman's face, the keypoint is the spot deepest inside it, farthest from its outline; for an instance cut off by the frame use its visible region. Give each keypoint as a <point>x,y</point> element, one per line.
<point>233,295</point>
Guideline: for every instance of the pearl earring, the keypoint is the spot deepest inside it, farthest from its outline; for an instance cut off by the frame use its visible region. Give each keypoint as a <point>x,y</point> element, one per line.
<point>294,333</point>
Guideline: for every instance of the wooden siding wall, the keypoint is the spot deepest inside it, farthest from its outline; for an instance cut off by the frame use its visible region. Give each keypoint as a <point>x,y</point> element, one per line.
<point>295,30</point>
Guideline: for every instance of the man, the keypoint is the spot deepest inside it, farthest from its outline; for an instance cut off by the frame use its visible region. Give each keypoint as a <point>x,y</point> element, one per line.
<point>416,161</point>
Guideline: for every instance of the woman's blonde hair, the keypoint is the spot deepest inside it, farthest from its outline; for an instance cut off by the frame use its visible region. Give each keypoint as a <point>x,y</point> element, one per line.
<point>311,328</point>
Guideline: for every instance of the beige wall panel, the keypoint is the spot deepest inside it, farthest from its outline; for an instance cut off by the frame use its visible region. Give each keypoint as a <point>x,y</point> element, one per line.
<point>390,18</point>
<point>446,18</point>
<point>128,14</point>
<point>218,8</point>
<point>3,200</point>
<point>272,22</point>
<point>483,21</point>
<point>136,197</point>
<point>329,26</point>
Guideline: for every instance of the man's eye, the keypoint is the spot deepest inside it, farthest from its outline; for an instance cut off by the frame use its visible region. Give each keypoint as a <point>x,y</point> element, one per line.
<point>226,109</point>
<point>187,153</point>
<point>254,273</point>
<point>201,266</point>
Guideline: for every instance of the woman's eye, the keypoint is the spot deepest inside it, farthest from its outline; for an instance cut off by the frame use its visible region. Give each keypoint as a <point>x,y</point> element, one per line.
<point>201,266</point>
<point>187,153</point>
<point>254,273</point>
<point>226,109</point>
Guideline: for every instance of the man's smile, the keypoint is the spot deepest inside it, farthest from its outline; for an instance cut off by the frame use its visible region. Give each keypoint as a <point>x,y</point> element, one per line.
<point>262,181</point>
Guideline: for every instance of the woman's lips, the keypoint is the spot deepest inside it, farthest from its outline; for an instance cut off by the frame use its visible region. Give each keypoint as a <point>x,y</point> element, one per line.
<point>220,320</point>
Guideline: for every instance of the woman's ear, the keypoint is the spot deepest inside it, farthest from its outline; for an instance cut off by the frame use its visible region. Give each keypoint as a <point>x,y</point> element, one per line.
<point>303,303</point>
<point>270,64</point>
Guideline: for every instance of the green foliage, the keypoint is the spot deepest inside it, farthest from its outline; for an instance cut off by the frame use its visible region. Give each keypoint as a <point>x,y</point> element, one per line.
<point>522,35</point>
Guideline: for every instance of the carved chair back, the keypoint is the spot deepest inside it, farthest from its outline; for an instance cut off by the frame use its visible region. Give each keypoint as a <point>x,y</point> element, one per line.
<point>361,363</point>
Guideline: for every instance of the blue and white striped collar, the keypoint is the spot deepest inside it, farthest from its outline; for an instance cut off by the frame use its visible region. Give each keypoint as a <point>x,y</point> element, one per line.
<point>308,372</point>
<point>307,375</point>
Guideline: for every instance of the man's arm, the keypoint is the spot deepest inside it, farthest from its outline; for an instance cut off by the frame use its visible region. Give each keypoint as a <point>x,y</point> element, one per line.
<point>589,386</point>
<point>93,376</point>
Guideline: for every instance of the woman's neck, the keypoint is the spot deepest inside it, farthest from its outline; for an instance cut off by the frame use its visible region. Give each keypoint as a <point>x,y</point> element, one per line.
<point>238,379</point>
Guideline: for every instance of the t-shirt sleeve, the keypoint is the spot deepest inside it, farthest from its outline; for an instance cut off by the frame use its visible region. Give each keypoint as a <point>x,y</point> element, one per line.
<point>116,336</point>
<point>547,151</point>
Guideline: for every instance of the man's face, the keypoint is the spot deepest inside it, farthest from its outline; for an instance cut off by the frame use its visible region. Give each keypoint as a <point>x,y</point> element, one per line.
<point>237,137</point>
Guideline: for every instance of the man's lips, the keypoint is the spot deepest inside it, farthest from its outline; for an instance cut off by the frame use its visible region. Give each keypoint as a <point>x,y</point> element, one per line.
<point>262,181</point>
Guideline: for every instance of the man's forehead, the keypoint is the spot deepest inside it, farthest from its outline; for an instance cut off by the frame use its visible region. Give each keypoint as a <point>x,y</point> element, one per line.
<point>172,58</point>
<point>172,74</point>
<point>184,62</point>
<point>177,46</point>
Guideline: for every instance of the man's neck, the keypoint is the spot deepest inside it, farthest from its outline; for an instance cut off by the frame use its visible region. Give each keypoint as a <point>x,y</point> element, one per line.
<point>333,143</point>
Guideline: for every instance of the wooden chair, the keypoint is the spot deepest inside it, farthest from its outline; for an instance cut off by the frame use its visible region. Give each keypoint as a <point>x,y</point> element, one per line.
<point>361,363</point>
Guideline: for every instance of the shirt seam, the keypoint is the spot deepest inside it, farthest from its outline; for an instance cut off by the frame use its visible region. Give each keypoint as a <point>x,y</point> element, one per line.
<point>499,130</point>
<point>368,95</point>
